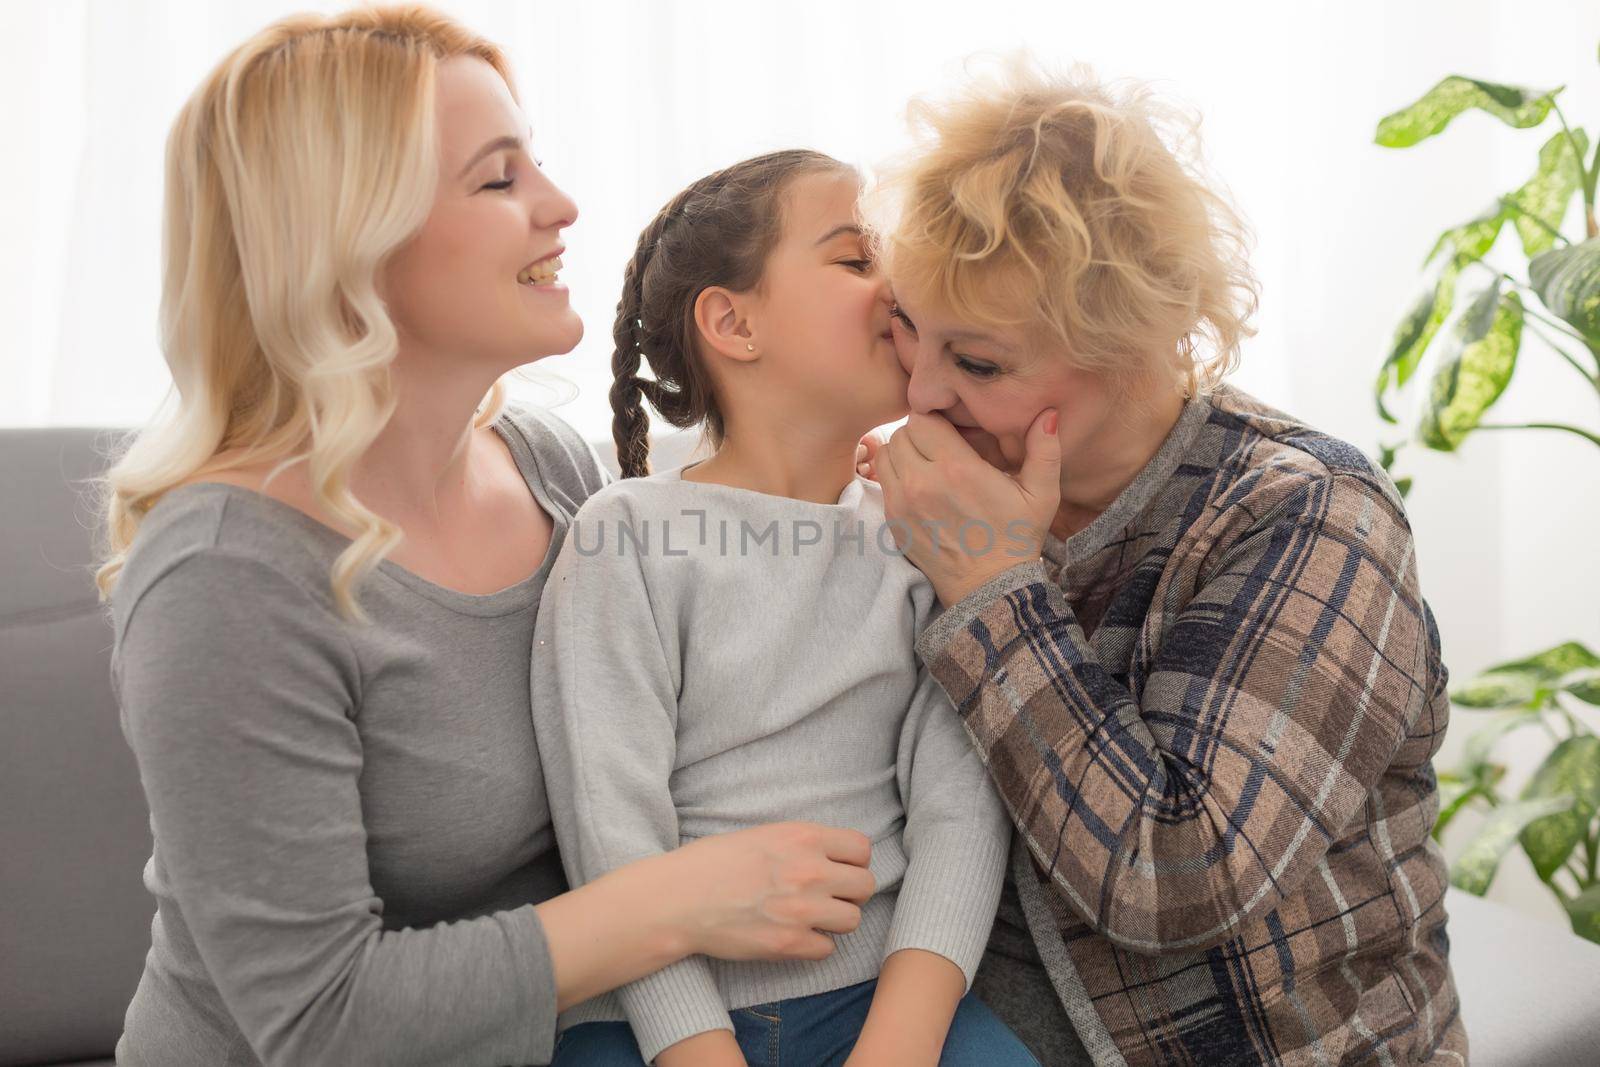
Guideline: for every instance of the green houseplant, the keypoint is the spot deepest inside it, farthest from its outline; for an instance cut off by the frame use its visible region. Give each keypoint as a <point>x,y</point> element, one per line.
<point>1476,317</point>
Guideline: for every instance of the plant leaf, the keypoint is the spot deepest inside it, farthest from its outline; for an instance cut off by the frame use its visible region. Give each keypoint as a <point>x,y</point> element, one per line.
<point>1584,911</point>
<point>1466,383</point>
<point>1433,111</point>
<point>1497,689</point>
<point>1586,689</point>
<point>1475,868</point>
<point>1414,334</point>
<point>1553,663</point>
<point>1472,240</point>
<point>1545,196</point>
<point>1454,794</point>
<point>1568,281</point>
<point>1571,770</point>
<point>1480,745</point>
<point>1476,766</point>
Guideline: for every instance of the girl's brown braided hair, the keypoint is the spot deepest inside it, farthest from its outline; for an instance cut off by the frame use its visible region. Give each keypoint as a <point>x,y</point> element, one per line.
<point>717,232</point>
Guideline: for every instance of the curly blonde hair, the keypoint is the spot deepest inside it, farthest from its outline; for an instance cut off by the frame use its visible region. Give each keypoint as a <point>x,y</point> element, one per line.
<point>300,163</point>
<point>1078,211</point>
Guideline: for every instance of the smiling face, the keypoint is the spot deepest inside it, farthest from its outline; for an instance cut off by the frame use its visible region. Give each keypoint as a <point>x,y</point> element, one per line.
<point>821,313</point>
<point>478,282</point>
<point>992,383</point>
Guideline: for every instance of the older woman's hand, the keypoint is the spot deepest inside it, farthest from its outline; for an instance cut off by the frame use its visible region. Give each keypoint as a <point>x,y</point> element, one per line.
<point>957,517</point>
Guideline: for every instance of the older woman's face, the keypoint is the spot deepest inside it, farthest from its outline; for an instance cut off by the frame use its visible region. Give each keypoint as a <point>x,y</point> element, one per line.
<point>991,385</point>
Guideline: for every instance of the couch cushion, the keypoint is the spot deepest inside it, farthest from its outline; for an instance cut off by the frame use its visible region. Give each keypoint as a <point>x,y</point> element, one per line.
<point>74,835</point>
<point>1528,988</point>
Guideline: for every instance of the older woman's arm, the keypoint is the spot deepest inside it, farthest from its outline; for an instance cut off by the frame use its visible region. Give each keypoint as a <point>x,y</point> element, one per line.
<point>1280,694</point>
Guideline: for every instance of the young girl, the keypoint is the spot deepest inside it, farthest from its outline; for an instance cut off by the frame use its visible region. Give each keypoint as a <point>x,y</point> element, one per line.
<point>731,643</point>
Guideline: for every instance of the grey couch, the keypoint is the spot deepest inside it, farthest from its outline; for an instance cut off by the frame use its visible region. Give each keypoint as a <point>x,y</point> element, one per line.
<point>74,836</point>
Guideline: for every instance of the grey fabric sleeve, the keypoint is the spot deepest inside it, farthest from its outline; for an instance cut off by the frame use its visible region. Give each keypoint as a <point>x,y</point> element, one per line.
<point>957,836</point>
<point>607,726</point>
<point>238,696</point>
<point>566,458</point>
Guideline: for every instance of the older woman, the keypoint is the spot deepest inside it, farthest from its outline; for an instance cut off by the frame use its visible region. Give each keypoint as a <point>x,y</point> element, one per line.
<point>1183,629</point>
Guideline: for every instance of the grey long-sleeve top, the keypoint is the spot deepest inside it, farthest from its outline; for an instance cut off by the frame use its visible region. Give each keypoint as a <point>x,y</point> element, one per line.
<point>350,821</point>
<point>711,659</point>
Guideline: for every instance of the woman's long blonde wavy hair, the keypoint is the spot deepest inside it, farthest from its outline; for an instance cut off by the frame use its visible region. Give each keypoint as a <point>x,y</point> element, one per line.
<point>1078,211</point>
<point>300,163</point>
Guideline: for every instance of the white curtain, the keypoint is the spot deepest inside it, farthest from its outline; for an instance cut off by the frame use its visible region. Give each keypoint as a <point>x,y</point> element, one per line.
<point>631,100</point>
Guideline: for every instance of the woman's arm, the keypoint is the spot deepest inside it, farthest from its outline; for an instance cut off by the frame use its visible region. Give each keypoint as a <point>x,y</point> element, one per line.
<point>1281,693</point>
<point>239,695</point>
<point>239,709</point>
<point>763,893</point>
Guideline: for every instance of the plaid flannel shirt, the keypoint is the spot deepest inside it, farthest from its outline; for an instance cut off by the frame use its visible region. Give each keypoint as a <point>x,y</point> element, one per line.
<point>1211,715</point>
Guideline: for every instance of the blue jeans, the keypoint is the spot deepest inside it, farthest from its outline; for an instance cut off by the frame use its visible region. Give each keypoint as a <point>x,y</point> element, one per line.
<point>815,1031</point>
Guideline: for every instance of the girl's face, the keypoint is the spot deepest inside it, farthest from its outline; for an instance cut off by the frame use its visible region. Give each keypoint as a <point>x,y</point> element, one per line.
<point>992,384</point>
<point>821,314</point>
<point>461,288</point>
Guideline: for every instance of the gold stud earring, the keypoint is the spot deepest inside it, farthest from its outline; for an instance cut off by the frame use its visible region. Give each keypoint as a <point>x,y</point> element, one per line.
<point>748,347</point>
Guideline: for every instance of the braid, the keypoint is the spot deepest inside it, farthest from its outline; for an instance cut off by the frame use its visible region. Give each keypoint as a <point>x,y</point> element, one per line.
<point>630,426</point>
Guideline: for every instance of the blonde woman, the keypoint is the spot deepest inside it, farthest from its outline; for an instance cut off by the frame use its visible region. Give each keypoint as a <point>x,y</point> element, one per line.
<point>324,574</point>
<point>1183,630</point>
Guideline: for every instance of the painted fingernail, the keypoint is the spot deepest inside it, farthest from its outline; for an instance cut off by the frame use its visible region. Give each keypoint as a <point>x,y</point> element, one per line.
<point>1051,421</point>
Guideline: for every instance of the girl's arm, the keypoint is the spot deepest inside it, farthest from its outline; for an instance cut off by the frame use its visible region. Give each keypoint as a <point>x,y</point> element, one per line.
<point>916,998</point>
<point>714,1048</point>
<point>605,711</point>
<point>956,839</point>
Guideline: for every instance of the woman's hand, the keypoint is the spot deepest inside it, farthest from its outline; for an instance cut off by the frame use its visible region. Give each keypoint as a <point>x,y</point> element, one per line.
<point>766,892</point>
<point>757,894</point>
<point>957,517</point>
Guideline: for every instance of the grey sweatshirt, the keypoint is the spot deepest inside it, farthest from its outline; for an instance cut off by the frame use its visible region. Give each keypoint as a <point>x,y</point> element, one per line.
<point>709,659</point>
<point>350,821</point>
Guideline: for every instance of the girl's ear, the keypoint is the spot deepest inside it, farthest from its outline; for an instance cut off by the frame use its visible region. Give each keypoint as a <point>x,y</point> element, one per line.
<point>720,318</point>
